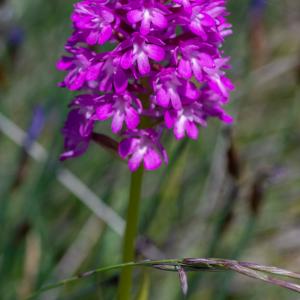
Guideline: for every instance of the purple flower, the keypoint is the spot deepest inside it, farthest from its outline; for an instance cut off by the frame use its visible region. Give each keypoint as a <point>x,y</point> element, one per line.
<point>217,79</point>
<point>138,50</point>
<point>170,88</point>
<point>77,132</point>
<point>151,16</point>
<point>80,67</point>
<point>143,146</point>
<point>162,69</point>
<point>185,120</point>
<point>212,106</point>
<point>200,22</point>
<point>193,59</point>
<point>95,20</point>
<point>110,75</point>
<point>122,108</point>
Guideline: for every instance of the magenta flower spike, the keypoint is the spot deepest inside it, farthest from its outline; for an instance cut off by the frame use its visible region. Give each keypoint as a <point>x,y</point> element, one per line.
<point>165,71</point>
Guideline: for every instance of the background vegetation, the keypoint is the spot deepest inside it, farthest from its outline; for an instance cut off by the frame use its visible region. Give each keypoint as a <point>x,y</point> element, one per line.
<point>235,193</point>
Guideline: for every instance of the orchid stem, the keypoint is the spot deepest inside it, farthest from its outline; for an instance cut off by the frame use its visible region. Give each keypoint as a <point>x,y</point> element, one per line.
<point>125,283</point>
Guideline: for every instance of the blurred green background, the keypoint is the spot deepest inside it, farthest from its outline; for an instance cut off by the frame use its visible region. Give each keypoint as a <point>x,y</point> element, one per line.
<point>235,193</point>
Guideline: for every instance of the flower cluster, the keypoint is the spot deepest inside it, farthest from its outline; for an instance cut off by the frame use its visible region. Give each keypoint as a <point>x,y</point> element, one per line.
<point>149,66</point>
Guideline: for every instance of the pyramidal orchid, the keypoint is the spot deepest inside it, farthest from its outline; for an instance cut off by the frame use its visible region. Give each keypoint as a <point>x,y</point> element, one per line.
<point>165,66</point>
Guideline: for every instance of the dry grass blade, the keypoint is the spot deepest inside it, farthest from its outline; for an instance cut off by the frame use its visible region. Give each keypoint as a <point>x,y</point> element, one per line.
<point>249,269</point>
<point>264,277</point>
<point>273,270</point>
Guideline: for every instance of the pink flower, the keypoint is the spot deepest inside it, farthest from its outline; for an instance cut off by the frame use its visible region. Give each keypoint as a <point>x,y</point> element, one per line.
<point>80,66</point>
<point>110,75</point>
<point>143,146</point>
<point>122,108</point>
<point>139,50</point>
<point>95,20</point>
<point>151,16</point>
<point>162,69</point>
<point>170,88</point>
<point>193,59</point>
<point>185,120</point>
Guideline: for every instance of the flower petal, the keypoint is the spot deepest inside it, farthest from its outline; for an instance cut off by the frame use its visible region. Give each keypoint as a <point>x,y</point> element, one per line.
<point>145,26</point>
<point>175,99</point>
<point>117,121</point>
<point>135,160</point>
<point>184,69</point>
<point>152,160</point>
<point>143,63</point>
<point>169,119</point>
<point>93,72</point>
<point>127,60</point>
<point>179,128</point>
<point>192,130</point>
<point>64,63</point>
<point>105,35</point>
<point>159,20</point>
<point>132,118</point>
<point>120,81</point>
<point>134,16</point>
<point>197,70</point>
<point>125,147</point>
<point>155,52</point>
<point>162,98</point>
<point>93,37</point>
<point>104,112</point>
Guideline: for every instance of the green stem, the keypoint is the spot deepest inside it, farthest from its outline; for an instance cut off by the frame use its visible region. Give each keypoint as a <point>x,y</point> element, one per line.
<point>125,284</point>
<point>147,263</point>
